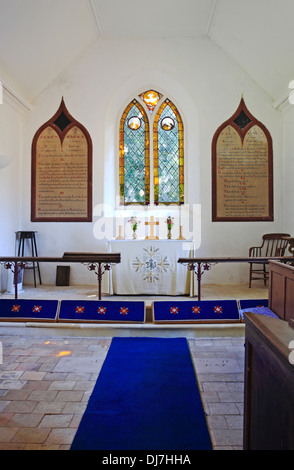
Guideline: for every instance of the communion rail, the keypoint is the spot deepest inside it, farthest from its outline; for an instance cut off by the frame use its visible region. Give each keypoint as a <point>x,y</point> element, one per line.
<point>99,263</point>
<point>200,265</point>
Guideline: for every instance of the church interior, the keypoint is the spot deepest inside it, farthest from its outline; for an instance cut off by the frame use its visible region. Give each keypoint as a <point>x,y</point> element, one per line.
<point>75,80</point>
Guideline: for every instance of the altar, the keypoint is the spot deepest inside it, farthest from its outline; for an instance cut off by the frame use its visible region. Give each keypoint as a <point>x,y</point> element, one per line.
<point>151,267</point>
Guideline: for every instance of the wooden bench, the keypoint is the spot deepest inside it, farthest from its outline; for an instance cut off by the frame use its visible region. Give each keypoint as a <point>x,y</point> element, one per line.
<point>269,367</point>
<point>281,290</point>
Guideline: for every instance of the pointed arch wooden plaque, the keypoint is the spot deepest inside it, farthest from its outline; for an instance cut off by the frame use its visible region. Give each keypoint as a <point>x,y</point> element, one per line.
<point>242,170</point>
<point>61,189</point>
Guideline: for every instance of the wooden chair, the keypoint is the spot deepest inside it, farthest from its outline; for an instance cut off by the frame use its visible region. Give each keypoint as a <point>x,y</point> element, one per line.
<point>273,244</point>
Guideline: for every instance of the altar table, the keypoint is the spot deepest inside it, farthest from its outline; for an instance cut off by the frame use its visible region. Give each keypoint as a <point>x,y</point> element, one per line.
<point>150,267</point>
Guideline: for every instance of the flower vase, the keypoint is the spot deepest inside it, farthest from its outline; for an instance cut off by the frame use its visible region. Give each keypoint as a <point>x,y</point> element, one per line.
<point>169,222</point>
<point>134,234</point>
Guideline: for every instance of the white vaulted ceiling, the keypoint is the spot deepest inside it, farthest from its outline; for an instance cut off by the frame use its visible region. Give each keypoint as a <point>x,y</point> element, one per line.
<point>39,38</point>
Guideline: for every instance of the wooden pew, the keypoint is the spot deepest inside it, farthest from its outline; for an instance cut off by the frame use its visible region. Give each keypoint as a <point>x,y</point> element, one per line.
<point>269,367</point>
<point>281,290</point>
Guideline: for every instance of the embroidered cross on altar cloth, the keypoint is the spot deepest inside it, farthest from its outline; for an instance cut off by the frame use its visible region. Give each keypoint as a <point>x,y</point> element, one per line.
<point>150,267</point>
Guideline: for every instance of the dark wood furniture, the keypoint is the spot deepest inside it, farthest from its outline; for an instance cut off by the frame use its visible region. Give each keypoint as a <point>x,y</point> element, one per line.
<point>62,275</point>
<point>269,384</point>
<point>273,244</point>
<point>290,245</point>
<point>269,370</point>
<point>281,290</point>
<point>21,238</point>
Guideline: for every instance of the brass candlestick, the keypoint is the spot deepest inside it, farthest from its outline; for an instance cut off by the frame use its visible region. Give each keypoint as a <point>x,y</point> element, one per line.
<point>120,235</point>
<point>181,234</point>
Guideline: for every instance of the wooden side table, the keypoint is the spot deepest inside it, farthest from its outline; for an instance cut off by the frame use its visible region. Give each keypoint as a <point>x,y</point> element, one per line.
<point>21,237</point>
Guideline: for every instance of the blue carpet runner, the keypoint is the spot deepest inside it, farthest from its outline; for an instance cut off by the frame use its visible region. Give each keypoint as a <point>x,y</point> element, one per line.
<point>102,311</point>
<point>216,311</point>
<point>146,398</point>
<point>28,310</point>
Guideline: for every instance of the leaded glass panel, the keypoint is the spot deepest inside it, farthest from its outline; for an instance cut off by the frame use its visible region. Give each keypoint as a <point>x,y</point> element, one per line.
<point>168,156</point>
<point>168,152</point>
<point>151,99</point>
<point>134,173</point>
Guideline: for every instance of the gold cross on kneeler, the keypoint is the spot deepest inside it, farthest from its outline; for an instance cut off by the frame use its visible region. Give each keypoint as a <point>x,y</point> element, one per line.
<point>152,224</point>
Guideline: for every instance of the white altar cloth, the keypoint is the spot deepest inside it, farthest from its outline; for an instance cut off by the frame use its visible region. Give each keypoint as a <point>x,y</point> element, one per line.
<point>150,267</point>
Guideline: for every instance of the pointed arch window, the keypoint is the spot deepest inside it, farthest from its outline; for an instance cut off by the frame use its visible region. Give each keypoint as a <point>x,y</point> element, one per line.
<point>134,161</point>
<point>151,152</point>
<point>168,155</point>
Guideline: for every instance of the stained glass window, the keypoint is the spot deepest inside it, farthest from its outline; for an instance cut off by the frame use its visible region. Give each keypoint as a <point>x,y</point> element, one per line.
<point>164,128</point>
<point>168,155</point>
<point>134,168</point>
<point>151,99</point>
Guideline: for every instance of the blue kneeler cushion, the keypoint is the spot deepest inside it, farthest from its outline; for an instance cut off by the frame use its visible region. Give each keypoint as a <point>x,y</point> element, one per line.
<point>255,306</point>
<point>28,310</point>
<point>102,311</point>
<point>248,303</point>
<point>204,311</point>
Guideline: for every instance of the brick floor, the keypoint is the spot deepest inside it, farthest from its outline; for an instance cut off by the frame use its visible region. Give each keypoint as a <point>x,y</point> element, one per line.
<point>219,364</point>
<point>45,385</point>
<point>42,394</point>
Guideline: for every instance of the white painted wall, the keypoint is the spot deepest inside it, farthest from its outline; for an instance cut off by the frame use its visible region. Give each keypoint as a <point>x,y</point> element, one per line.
<point>206,86</point>
<point>10,179</point>
<point>288,171</point>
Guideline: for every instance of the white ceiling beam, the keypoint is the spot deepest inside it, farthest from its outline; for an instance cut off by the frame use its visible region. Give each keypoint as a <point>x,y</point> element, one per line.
<point>13,97</point>
<point>282,103</point>
<point>95,16</point>
<point>212,16</point>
